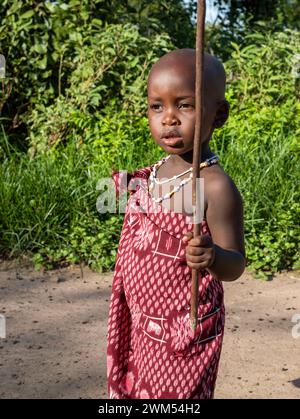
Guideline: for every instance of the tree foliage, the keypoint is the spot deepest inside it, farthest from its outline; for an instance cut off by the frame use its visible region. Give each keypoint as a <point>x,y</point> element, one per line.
<point>41,41</point>
<point>74,100</point>
<point>237,18</point>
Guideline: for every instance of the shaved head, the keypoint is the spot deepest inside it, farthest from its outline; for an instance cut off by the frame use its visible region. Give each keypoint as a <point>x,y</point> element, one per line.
<point>172,102</point>
<point>184,61</point>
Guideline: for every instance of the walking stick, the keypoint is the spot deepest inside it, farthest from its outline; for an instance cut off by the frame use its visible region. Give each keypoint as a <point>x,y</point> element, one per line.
<point>197,147</point>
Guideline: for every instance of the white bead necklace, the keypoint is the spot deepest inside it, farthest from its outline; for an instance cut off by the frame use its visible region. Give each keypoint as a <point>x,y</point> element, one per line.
<point>208,162</point>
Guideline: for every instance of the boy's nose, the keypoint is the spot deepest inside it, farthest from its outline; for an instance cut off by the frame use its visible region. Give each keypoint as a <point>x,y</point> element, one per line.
<point>170,119</point>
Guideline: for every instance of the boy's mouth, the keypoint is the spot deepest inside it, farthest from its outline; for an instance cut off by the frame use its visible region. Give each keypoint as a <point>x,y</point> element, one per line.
<point>172,138</point>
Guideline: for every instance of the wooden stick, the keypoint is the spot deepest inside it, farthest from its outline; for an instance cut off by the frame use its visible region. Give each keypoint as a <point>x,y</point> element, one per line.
<point>197,147</point>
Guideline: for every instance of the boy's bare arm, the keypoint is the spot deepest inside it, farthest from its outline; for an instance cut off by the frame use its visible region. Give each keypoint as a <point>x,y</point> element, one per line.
<point>224,256</point>
<point>226,222</point>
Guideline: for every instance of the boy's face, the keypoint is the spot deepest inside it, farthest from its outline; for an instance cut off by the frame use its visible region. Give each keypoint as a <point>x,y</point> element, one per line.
<point>171,107</point>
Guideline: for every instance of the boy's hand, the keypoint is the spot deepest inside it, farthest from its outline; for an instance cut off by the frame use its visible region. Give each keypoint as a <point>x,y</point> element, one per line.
<point>200,251</point>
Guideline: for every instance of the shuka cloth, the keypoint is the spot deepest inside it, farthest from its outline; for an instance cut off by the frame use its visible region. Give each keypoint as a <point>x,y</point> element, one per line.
<point>151,351</point>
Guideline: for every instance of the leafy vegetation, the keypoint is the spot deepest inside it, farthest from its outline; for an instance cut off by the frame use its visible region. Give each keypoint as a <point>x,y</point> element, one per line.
<point>73,108</point>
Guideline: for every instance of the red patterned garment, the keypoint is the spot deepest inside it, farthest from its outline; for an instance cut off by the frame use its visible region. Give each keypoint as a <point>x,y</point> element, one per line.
<point>151,351</point>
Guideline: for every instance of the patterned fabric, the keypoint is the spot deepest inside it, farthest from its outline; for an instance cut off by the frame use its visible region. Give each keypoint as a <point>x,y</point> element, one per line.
<point>151,350</point>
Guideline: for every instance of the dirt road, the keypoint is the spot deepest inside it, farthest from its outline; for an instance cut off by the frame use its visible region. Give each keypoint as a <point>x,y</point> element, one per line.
<point>55,345</point>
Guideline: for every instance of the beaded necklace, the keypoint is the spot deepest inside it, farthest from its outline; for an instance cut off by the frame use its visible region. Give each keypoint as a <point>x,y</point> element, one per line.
<point>208,162</point>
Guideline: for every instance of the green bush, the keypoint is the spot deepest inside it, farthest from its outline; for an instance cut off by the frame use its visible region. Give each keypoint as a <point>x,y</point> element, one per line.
<point>98,123</point>
<point>42,42</point>
<point>48,210</point>
<point>48,206</point>
<point>259,146</point>
<point>108,77</point>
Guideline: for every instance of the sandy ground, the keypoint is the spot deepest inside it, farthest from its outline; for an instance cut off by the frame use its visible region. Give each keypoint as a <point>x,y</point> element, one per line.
<point>55,345</point>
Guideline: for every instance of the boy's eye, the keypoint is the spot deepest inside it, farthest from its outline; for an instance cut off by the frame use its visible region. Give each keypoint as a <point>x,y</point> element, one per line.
<point>156,106</point>
<point>185,105</point>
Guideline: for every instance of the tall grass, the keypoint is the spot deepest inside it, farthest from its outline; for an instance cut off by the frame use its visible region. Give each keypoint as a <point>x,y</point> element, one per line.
<point>48,206</point>
<point>48,203</point>
<point>265,167</point>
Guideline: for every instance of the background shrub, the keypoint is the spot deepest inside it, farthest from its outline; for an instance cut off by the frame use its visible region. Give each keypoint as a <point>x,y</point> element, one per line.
<point>73,107</point>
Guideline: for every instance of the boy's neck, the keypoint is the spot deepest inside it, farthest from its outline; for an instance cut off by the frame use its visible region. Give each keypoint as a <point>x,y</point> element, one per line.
<point>186,160</point>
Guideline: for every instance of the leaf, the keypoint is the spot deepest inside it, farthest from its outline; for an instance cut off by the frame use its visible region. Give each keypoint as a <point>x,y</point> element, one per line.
<point>42,64</point>
<point>134,62</point>
<point>40,48</point>
<point>64,6</point>
<point>27,14</point>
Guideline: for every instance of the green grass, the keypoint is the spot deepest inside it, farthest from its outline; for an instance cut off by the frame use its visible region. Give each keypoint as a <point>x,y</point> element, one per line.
<point>48,203</point>
<point>265,168</point>
<point>48,209</point>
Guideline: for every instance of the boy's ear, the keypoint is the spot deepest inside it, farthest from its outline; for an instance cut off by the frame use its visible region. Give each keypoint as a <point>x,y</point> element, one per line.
<point>222,114</point>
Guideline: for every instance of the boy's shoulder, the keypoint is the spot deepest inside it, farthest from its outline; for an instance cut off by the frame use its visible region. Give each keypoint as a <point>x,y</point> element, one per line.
<point>224,210</point>
<point>219,186</point>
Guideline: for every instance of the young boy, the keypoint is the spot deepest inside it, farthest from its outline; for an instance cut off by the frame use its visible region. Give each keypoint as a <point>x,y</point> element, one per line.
<point>151,350</point>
